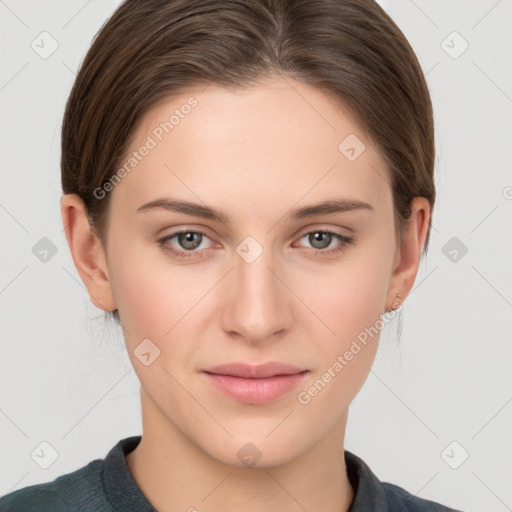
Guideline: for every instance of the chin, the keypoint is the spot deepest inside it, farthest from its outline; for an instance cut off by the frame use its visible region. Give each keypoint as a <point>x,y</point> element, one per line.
<point>253,452</point>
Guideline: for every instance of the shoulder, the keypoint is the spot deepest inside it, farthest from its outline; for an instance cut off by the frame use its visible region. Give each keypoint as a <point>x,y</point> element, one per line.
<point>33,498</point>
<point>80,489</point>
<point>401,500</point>
<point>372,494</point>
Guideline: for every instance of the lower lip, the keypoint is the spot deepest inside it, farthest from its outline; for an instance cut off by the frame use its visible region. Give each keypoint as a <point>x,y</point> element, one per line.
<point>256,391</point>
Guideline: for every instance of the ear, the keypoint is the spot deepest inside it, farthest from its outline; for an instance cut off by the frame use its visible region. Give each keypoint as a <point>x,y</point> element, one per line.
<point>407,258</point>
<point>87,252</point>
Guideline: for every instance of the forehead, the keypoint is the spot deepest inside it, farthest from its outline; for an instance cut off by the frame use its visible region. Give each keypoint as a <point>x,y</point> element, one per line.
<point>268,144</point>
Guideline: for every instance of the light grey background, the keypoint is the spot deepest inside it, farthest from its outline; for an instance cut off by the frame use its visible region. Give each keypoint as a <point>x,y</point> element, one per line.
<point>65,376</point>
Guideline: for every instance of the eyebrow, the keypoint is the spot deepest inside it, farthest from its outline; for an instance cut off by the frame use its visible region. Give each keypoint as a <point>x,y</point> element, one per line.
<point>208,212</point>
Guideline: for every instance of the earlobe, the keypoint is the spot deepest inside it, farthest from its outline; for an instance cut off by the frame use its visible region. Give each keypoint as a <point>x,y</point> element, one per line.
<point>407,264</point>
<point>87,252</point>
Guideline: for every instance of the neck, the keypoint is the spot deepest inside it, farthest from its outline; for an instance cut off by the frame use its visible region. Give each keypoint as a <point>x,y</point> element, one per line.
<point>175,474</point>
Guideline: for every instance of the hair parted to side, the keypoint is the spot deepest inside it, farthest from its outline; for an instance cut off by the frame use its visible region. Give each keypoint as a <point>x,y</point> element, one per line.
<point>149,51</point>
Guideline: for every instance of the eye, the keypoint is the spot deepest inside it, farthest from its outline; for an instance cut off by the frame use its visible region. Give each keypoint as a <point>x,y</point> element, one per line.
<point>320,239</point>
<point>190,241</point>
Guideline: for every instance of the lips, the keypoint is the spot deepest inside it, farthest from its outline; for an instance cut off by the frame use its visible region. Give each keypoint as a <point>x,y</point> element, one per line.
<point>255,384</point>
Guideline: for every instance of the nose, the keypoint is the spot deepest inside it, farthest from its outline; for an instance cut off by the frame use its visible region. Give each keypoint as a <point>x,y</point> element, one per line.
<point>259,305</point>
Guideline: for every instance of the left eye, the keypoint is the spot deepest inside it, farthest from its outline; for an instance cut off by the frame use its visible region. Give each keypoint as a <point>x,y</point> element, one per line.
<point>324,239</point>
<point>191,240</point>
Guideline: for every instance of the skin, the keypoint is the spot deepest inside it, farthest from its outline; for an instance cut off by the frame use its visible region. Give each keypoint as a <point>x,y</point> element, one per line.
<point>254,154</point>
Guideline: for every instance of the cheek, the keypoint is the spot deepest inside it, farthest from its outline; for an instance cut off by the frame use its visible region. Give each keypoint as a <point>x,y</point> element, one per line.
<point>152,293</point>
<point>350,302</point>
<point>156,303</point>
<point>349,297</point>
<point>351,306</point>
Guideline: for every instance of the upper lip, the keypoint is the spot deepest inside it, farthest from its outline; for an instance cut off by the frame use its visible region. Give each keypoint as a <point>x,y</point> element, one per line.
<point>248,371</point>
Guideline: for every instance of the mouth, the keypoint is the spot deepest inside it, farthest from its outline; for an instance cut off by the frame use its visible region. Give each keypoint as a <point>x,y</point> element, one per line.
<point>255,384</point>
<point>261,371</point>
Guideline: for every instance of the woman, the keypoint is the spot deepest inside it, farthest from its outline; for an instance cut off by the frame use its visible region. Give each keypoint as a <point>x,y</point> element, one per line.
<point>248,188</point>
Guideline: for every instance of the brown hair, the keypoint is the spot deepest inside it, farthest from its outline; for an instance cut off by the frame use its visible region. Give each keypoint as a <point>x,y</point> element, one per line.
<point>149,51</point>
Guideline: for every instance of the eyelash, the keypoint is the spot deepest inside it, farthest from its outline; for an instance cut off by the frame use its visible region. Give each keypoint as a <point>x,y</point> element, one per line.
<point>346,241</point>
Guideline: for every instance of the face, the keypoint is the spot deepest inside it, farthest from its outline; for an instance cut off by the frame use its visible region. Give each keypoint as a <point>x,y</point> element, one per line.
<point>261,284</point>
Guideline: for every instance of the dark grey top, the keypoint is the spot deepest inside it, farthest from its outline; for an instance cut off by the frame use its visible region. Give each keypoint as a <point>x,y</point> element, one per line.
<point>106,485</point>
